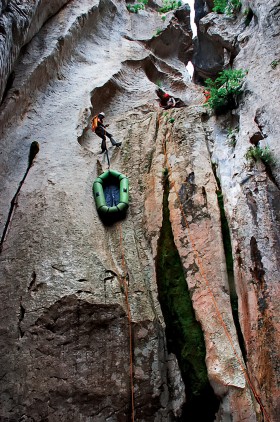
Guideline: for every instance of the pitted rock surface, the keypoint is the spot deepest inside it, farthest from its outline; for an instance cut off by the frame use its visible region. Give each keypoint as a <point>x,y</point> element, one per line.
<point>65,320</point>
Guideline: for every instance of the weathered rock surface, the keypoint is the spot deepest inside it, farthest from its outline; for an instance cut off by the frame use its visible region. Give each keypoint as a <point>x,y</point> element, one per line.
<point>65,322</point>
<point>252,197</point>
<point>19,22</point>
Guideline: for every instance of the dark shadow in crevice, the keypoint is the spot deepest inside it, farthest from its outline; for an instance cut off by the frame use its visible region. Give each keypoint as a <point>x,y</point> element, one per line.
<point>183,332</point>
<point>249,16</point>
<point>9,85</point>
<point>34,149</point>
<point>271,176</point>
<point>229,264</point>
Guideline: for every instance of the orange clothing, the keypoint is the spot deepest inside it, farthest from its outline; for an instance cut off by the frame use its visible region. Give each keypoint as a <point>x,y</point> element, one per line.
<point>207,95</point>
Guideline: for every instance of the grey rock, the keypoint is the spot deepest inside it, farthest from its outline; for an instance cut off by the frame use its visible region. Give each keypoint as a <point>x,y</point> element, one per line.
<point>65,322</point>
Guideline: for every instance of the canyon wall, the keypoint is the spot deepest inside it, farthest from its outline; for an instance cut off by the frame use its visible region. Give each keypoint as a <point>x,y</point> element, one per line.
<point>84,331</point>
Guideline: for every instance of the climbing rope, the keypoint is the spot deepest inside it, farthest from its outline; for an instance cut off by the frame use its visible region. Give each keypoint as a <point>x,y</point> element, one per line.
<point>204,277</point>
<point>106,150</point>
<point>124,288</point>
<point>108,158</point>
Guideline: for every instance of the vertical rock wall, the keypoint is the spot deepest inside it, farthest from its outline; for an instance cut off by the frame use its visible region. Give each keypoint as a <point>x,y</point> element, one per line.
<point>64,327</point>
<point>251,190</point>
<point>65,321</point>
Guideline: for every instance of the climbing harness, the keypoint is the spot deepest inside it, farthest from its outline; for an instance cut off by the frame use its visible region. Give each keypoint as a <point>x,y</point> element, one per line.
<point>204,277</point>
<point>94,126</point>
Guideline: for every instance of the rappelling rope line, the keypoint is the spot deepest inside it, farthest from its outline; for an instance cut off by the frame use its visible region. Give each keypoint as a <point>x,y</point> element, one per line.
<point>106,151</point>
<point>202,272</point>
<point>123,283</point>
<point>107,154</point>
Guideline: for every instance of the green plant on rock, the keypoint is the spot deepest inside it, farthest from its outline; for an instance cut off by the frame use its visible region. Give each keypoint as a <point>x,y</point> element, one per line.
<point>258,153</point>
<point>170,5</point>
<point>220,6</point>
<point>274,63</point>
<point>225,89</point>
<point>229,7</point>
<point>133,8</point>
<point>158,32</point>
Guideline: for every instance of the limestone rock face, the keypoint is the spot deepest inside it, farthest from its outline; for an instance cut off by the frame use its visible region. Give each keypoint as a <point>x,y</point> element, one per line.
<point>81,328</point>
<point>19,21</point>
<point>209,56</point>
<point>251,193</point>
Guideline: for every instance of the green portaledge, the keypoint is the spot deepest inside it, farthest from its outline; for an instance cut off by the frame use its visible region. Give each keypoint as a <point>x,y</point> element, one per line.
<point>99,197</point>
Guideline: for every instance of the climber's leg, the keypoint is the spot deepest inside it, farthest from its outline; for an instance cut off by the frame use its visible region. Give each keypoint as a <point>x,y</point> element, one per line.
<point>113,141</point>
<point>103,145</point>
<point>101,133</point>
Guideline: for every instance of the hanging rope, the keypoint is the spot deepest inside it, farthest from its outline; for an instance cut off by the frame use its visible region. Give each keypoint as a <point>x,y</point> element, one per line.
<point>124,288</point>
<point>107,158</point>
<point>106,151</point>
<point>203,274</point>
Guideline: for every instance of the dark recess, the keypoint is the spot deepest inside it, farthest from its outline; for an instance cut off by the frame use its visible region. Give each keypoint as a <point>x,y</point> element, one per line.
<point>183,332</point>
<point>229,264</point>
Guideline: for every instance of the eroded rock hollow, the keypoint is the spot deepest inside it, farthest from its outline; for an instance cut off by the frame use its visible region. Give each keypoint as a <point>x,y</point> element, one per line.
<point>170,314</point>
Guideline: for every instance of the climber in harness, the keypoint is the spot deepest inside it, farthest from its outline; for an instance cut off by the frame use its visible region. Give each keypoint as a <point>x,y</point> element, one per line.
<point>99,128</point>
<point>207,95</point>
<point>166,101</point>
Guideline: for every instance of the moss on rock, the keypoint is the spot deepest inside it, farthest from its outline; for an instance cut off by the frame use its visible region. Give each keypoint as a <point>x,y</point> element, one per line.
<point>183,332</point>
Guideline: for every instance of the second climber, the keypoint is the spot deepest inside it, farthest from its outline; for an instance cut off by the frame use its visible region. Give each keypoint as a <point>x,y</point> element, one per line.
<point>166,101</point>
<point>99,128</point>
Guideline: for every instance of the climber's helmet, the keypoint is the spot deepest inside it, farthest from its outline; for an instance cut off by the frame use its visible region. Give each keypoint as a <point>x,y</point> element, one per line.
<point>102,114</point>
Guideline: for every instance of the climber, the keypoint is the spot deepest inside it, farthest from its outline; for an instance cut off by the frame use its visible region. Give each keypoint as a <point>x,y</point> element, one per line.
<point>99,128</point>
<point>207,95</point>
<point>165,100</point>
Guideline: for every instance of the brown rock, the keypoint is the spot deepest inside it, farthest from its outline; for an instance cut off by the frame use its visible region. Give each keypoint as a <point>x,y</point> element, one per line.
<point>65,323</point>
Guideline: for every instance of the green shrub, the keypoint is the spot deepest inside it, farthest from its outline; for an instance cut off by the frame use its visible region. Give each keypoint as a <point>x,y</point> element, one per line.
<point>133,8</point>
<point>274,63</point>
<point>225,89</point>
<point>163,18</point>
<point>257,153</point>
<point>169,5</point>
<point>220,6</point>
<point>229,7</point>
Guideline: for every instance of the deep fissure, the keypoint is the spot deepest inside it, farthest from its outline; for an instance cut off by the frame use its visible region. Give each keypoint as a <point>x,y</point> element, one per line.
<point>183,332</point>
<point>229,264</point>
<point>33,151</point>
